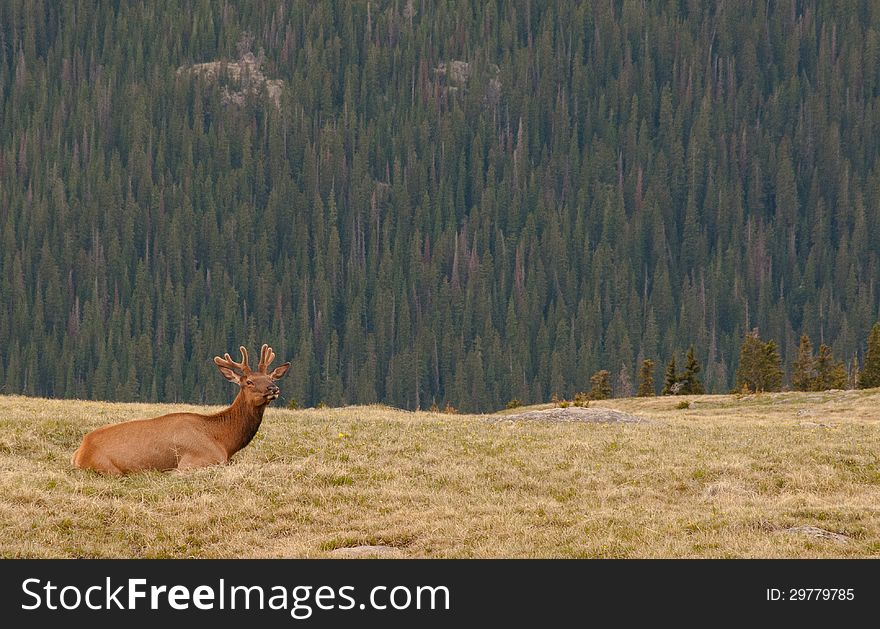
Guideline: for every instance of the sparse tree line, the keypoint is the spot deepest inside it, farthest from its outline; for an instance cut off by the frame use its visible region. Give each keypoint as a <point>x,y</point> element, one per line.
<point>760,370</point>
<point>760,367</point>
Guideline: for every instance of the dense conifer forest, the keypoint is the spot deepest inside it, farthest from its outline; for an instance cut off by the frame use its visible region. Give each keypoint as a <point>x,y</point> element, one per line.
<point>423,202</point>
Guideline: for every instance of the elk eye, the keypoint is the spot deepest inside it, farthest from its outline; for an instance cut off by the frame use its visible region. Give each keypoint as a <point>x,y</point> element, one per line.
<point>250,382</point>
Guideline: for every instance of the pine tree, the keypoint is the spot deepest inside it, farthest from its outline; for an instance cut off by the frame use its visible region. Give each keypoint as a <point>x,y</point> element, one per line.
<point>852,379</point>
<point>869,377</point>
<point>671,379</point>
<point>829,373</point>
<point>771,367</point>
<point>690,381</point>
<point>646,379</point>
<point>624,383</point>
<point>747,374</point>
<point>601,385</point>
<point>803,369</point>
<point>759,365</point>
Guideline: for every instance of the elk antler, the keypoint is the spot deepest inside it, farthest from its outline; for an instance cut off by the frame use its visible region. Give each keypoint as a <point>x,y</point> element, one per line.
<point>266,358</point>
<point>227,361</point>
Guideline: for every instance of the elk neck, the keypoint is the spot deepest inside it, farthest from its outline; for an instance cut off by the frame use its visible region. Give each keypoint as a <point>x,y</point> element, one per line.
<point>237,425</point>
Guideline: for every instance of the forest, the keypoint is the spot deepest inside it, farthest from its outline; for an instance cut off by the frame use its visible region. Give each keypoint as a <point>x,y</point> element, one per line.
<point>420,203</point>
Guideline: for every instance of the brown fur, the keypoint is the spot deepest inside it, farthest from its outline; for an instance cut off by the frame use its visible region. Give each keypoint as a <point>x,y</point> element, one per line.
<point>186,440</point>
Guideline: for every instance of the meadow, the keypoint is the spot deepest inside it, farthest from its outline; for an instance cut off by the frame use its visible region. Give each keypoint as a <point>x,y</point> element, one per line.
<point>784,475</point>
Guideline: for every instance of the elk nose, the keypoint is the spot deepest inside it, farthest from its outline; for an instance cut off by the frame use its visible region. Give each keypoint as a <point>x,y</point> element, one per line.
<point>273,388</point>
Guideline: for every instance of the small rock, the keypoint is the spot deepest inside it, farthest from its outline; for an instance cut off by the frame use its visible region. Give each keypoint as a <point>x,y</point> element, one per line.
<point>814,531</point>
<point>595,415</point>
<point>723,489</point>
<point>367,552</point>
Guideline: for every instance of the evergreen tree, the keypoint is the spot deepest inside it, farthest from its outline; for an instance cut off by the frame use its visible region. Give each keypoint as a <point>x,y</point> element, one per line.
<point>748,374</point>
<point>646,379</point>
<point>771,367</point>
<point>869,377</point>
<point>759,365</point>
<point>624,384</point>
<point>830,374</point>
<point>690,380</point>
<point>803,370</point>
<point>852,380</point>
<point>671,379</point>
<point>601,385</point>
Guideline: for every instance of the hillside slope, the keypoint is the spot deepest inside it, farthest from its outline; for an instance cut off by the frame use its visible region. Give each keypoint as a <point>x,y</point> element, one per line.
<point>420,202</point>
<point>776,475</point>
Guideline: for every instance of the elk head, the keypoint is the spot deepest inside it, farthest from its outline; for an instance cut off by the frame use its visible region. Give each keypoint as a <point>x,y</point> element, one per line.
<point>257,387</point>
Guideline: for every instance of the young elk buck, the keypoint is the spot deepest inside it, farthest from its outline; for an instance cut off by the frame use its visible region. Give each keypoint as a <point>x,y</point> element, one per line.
<point>187,440</point>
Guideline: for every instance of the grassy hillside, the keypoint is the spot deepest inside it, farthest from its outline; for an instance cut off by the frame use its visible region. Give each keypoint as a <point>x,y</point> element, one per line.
<point>724,478</point>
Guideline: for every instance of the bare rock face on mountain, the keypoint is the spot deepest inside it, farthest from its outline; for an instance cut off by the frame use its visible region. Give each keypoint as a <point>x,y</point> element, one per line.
<point>242,77</point>
<point>456,71</point>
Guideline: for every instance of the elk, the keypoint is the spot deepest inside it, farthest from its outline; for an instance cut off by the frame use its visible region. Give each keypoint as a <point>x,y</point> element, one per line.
<point>187,440</point>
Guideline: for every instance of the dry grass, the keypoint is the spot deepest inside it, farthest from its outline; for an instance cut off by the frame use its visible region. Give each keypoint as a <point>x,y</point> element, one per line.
<point>724,478</point>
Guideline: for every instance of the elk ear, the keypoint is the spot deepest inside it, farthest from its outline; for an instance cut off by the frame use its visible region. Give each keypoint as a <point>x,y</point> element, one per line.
<point>227,372</point>
<point>279,371</point>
